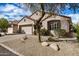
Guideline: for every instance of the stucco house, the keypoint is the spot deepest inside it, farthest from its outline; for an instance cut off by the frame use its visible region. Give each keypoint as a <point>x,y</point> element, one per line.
<point>26,24</point>
<point>13,27</point>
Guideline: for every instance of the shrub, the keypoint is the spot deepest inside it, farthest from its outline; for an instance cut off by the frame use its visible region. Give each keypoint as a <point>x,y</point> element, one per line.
<point>45,32</point>
<point>51,39</point>
<point>74,29</point>
<point>77,31</point>
<point>60,32</point>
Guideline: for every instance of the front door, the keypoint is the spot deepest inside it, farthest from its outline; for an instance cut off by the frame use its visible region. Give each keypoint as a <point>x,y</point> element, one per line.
<point>54,25</point>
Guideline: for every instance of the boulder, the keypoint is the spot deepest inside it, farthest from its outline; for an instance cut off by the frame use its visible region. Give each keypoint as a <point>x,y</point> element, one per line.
<point>25,37</point>
<point>44,44</point>
<point>22,39</point>
<point>54,46</point>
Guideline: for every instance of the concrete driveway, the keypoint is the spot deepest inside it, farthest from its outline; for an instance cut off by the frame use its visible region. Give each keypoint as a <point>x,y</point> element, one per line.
<point>10,37</point>
<point>4,51</point>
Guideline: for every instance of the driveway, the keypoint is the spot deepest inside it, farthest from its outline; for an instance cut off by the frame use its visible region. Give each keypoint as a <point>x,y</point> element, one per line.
<point>10,37</point>
<point>3,50</point>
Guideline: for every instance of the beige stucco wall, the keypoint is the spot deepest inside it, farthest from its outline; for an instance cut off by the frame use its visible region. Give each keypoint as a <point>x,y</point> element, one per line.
<point>10,30</point>
<point>27,21</point>
<point>36,16</point>
<point>63,20</point>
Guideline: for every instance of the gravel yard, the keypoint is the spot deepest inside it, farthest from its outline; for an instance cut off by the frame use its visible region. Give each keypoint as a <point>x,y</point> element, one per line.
<point>31,47</point>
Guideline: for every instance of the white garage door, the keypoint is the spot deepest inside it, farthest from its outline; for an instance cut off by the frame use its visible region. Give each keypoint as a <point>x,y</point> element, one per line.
<point>27,29</point>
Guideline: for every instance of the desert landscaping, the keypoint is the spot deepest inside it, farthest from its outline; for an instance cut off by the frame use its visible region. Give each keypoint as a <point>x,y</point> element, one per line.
<point>31,46</point>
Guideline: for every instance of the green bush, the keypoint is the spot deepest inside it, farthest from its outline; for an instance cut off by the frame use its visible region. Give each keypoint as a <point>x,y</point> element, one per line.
<point>51,39</point>
<point>74,29</point>
<point>3,24</point>
<point>78,38</point>
<point>77,31</point>
<point>45,32</point>
<point>60,32</point>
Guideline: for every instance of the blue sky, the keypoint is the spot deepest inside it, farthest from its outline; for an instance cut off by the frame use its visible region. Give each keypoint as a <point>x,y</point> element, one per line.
<point>15,11</point>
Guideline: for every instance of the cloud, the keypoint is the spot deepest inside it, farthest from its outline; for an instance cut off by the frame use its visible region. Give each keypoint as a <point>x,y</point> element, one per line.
<point>3,16</point>
<point>13,11</point>
<point>9,7</point>
<point>75,17</point>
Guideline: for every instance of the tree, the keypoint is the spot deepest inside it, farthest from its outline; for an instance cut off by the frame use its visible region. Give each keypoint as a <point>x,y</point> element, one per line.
<point>76,26</point>
<point>56,8</point>
<point>3,24</point>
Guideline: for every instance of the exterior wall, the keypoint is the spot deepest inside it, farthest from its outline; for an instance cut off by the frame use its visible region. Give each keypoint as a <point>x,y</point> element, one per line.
<point>15,28</point>
<point>26,22</point>
<point>36,15</point>
<point>10,30</point>
<point>64,22</point>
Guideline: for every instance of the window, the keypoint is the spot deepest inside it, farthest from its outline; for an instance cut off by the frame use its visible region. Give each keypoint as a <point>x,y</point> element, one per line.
<point>54,24</point>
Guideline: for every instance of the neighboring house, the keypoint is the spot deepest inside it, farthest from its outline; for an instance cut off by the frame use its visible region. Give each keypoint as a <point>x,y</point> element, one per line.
<point>26,25</point>
<point>13,27</point>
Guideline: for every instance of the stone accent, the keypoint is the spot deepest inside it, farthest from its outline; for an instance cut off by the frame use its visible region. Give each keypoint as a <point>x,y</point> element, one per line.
<point>44,44</point>
<point>54,46</point>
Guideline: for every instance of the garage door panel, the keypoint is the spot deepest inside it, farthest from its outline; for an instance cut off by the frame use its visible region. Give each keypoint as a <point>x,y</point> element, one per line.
<point>27,29</point>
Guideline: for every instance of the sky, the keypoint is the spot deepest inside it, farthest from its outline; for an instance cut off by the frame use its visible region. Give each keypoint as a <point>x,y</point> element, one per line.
<point>15,11</point>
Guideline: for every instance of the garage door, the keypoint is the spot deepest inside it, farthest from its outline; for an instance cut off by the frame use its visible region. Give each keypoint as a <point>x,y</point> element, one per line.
<point>27,29</point>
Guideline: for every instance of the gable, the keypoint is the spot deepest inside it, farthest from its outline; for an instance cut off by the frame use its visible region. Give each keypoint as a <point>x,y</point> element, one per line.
<point>25,21</point>
<point>36,15</point>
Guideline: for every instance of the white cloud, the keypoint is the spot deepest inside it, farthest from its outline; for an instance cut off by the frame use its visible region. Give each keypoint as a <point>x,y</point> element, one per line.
<point>15,11</point>
<point>3,16</point>
<point>9,7</point>
<point>75,17</point>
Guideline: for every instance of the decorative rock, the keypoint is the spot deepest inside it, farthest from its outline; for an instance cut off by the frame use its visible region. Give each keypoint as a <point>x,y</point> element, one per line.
<point>25,37</point>
<point>54,46</point>
<point>22,40</point>
<point>44,44</point>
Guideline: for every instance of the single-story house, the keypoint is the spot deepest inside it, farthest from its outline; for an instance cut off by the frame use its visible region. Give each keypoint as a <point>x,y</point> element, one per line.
<point>26,24</point>
<point>13,27</point>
